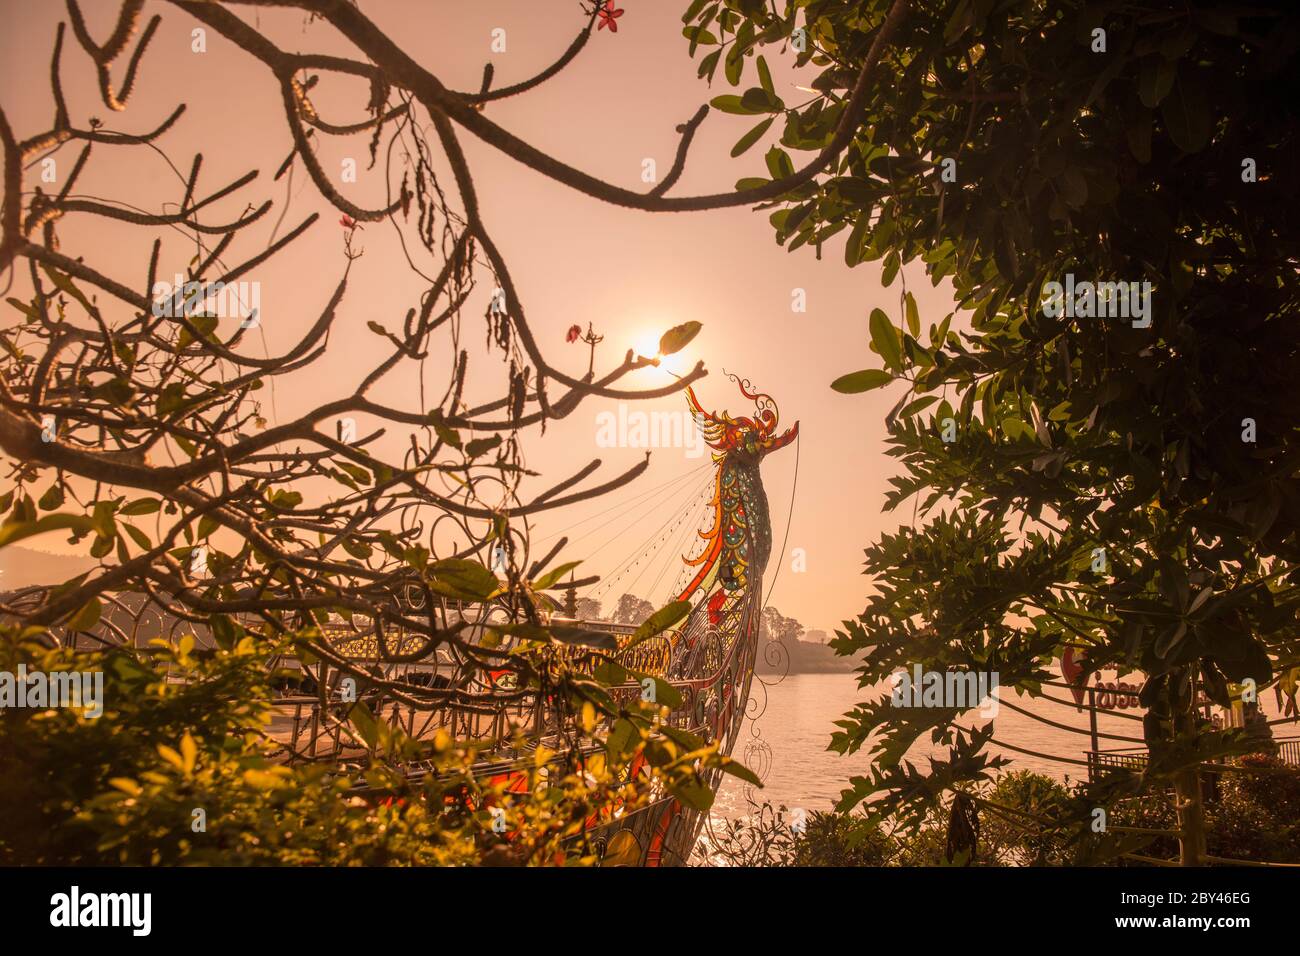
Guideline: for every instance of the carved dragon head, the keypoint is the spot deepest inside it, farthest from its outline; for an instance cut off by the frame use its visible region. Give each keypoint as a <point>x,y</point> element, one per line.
<point>742,437</point>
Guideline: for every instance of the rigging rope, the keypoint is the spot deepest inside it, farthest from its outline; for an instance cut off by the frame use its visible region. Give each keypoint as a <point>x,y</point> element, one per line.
<point>680,547</point>
<point>623,567</point>
<point>633,518</point>
<point>794,487</point>
<point>670,552</point>
<point>628,504</point>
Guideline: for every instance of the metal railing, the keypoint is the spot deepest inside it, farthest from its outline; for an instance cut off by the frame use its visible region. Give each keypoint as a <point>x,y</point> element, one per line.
<point>711,678</point>
<point>1100,762</point>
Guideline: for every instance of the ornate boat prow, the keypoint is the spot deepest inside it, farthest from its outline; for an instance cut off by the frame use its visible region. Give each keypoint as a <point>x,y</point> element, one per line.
<point>713,654</point>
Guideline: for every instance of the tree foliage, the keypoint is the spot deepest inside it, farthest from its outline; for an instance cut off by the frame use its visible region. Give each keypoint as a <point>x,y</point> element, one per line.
<point>1122,487</point>
<point>357,536</point>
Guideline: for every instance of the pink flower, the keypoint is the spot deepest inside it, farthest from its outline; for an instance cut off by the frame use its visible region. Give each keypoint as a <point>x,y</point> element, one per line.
<point>347,222</point>
<point>573,333</point>
<point>609,16</point>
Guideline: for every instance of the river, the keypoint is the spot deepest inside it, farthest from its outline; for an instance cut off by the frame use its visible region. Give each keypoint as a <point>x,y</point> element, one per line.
<point>799,716</point>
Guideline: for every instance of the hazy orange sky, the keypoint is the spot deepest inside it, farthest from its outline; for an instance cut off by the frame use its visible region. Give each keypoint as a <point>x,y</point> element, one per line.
<point>574,260</point>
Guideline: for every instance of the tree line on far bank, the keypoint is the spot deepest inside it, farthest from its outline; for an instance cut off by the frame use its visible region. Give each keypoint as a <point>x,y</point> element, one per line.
<point>805,649</point>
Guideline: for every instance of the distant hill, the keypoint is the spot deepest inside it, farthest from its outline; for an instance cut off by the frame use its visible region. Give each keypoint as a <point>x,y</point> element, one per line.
<point>805,658</point>
<point>23,567</point>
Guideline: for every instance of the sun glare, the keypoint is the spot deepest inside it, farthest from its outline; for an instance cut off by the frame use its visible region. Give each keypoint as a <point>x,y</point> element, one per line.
<point>647,344</point>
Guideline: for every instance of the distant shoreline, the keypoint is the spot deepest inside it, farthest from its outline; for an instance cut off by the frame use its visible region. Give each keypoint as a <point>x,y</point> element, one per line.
<point>804,657</point>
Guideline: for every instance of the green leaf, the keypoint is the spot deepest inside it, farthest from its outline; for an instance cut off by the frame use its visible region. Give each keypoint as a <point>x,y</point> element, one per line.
<point>863,381</point>
<point>738,769</point>
<point>778,163</point>
<point>206,326</point>
<point>172,398</point>
<point>12,531</point>
<point>752,137</point>
<point>681,737</point>
<point>913,315</point>
<point>1074,187</point>
<point>552,576</point>
<point>762,101</point>
<point>53,498</point>
<point>141,506</point>
<point>693,10</point>
<point>678,337</point>
<point>566,634</point>
<point>1187,115</point>
<point>941,333</point>
<point>730,103</point>
<point>734,64</point>
<point>709,64</point>
<point>665,693</point>
<point>480,445</point>
<point>610,673</point>
<point>890,270</point>
<point>365,723</point>
<point>699,37</point>
<point>765,77</point>
<point>912,408</point>
<point>694,794</point>
<point>225,631</point>
<point>280,498</point>
<point>207,525</point>
<point>357,548</point>
<point>444,432</point>
<point>461,578</point>
<point>853,249</point>
<point>1155,80</point>
<point>138,536</point>
<point>659,621</point>
<point>885,339</point>
<point>623,738</point>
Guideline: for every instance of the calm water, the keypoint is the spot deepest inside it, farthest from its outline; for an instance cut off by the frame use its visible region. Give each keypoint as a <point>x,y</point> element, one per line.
<point>798,722</point>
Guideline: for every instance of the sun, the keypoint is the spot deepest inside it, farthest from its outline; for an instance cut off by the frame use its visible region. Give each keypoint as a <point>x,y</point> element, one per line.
<point>647,344</point>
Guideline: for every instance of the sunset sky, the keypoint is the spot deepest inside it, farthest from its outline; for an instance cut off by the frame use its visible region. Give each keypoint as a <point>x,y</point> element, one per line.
<point>575,260</point>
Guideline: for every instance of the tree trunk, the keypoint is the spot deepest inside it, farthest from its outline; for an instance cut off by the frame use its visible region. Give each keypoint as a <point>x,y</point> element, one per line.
<point>1187,790</point>
<point>1191,817</point>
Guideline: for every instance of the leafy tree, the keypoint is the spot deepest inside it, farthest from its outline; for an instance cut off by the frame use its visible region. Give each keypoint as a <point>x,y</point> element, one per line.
<point>356,535</point>
<point>775,626</point>
<point>632,609</point>
<point>1122,485</point>
<point>588,609</point>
